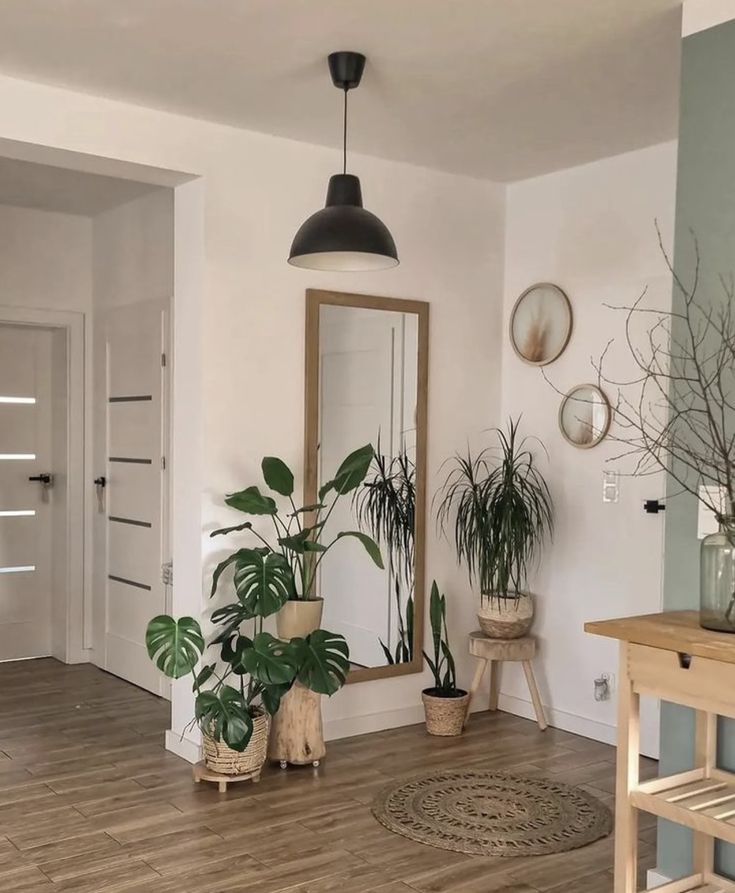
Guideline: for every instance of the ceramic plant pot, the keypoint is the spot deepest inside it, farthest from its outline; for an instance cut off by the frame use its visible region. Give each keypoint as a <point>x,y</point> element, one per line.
<point>299,618</point>
<point>506,618</point>
<point>445,716</point>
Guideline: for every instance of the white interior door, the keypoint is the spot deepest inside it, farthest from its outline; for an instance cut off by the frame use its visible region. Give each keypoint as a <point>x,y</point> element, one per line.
<point>25,506</point>
<point>134,499</point>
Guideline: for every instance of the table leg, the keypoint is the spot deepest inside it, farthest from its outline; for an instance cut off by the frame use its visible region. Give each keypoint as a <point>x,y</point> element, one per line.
<point>494,684</point>
<point>627,778</point>
<point>705,757</point>
<point>477,679</point>
<point>535,697</point>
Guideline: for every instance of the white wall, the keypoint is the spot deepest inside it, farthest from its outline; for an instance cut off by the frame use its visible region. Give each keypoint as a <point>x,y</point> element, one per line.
<point>699,15</point>
<point>45,259</point>
<point>257,191</point>
<point>590,230</point>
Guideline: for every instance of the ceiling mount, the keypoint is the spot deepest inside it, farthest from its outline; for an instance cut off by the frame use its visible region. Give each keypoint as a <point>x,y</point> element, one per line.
<point>346,68</point>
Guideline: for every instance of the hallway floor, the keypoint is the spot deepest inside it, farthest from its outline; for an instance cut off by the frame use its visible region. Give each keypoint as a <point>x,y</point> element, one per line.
<point>90,802</point>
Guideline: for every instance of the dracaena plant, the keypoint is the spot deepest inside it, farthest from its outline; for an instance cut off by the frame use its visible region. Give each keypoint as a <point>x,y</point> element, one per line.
<point>500,509</point>
<point>285,566</point>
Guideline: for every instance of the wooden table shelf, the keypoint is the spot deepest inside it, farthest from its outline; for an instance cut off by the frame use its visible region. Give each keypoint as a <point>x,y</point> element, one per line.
<point>700,801</point>
<point>669,656</point>
<point>696,884</point>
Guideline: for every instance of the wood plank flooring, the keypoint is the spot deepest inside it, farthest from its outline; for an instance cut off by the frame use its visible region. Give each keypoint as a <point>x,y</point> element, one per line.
<point>90,802</point>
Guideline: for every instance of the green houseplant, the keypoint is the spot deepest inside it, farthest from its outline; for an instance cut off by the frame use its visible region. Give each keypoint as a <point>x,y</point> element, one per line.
<point>385,505</point>
<point>445,705</point>
<point>500,510</point>
<point>288,562</point>
<point>251,672</point>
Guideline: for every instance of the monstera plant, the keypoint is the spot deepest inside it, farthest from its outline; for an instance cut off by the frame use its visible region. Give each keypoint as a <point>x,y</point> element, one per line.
<point>248,670</point>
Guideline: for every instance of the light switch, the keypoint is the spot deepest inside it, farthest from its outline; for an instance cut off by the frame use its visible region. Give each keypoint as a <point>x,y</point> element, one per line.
<point>610,486</point>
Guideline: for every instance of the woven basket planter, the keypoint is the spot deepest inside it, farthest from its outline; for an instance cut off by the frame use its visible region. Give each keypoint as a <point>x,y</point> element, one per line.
<point>221,758</point>
<point>444,716</point>
<point>504,618</point>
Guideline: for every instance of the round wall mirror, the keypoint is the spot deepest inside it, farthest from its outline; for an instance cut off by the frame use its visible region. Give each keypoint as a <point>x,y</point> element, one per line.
<point>584,416</point>
<point>541,324</point>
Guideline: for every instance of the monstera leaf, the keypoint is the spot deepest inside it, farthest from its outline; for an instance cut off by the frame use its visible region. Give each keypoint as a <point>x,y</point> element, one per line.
<point>269,660</point>
<point>175,645</point>
<point>271,696</point>
<point>232,618</point>
<point>277,475</point>
<point>225,716</point>
<point>323,660</point>
<point>264,582</point>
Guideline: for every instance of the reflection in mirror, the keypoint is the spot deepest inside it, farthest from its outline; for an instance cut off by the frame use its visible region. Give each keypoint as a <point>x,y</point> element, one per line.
<point>368,385</point>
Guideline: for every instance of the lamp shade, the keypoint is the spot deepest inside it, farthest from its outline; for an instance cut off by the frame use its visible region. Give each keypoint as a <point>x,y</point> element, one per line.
<point>343,236</point>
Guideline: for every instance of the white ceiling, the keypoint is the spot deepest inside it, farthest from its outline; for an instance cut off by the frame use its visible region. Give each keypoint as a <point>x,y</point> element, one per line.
<point>29,185</point>
<point>502,89</point>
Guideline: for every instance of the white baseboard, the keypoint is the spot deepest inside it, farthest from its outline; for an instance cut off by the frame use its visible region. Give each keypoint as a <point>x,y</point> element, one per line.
<point>654,879</point>
<point>372,722</point>
<point>560,719</point>
<point>183,747</point>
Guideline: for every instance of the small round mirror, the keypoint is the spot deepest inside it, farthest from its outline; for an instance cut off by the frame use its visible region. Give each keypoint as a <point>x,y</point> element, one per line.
<point>584,416</point>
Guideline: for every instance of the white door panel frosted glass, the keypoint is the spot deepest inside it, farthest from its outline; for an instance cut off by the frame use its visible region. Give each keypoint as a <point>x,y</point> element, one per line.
<point>134,407</point>
<point>25,541</point>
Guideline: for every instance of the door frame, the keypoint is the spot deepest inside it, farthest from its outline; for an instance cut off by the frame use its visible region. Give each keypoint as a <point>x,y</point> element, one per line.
<point>76,607</point>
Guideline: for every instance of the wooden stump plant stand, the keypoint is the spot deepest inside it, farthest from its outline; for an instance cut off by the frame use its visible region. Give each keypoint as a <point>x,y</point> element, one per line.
<point>494,652</point>
<point>670,657</point>
<point>296,732</point>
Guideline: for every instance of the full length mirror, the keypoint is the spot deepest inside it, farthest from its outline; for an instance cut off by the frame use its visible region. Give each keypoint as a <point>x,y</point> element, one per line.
<point>366,382</point>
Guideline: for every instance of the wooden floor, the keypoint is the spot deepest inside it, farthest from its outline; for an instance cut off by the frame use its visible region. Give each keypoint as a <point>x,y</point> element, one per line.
<point>90,802</point>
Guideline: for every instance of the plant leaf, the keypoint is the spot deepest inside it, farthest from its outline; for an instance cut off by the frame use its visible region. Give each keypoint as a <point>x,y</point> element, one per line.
<point>232,616</point>
<point>371,547</point>
<point>175,645</point>
<point>252,502</point>
<point>271,696</point>
<point>323,660</point>
<point>222,530</point>
<point>203,676</point>
<point>225,716</point>
<point>270,660</point>
<point>352,472</point>
<point>263,582</point>
<point>277,475</point>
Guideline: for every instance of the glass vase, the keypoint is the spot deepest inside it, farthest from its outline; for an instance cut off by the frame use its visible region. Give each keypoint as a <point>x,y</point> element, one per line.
<point>717,578</point>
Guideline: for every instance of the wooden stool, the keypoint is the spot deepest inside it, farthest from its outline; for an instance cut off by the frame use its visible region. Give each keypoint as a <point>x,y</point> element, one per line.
<point>494,652</point>
<point>202,773</point>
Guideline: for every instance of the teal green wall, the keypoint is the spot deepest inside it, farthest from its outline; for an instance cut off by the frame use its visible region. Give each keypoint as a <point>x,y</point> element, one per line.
<point>705,205</point>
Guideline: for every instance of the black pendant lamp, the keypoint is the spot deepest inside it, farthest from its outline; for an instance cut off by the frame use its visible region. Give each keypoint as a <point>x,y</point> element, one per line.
<point>343,236</point>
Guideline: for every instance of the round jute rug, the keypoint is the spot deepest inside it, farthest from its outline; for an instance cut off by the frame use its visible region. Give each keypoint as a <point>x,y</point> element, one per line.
<point>492,814</point>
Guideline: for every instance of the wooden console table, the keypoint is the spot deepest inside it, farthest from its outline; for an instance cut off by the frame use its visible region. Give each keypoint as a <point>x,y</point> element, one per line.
<point>671,657</point>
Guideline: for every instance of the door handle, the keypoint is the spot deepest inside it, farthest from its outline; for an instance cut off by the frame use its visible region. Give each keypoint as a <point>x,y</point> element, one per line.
<point>45,479</point>
<point>100,481</point>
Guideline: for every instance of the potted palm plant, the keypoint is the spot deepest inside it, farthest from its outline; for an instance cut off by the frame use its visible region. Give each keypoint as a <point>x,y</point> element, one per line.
<point>500,511</point>
<point>286,565</point>
<point>445,705</point>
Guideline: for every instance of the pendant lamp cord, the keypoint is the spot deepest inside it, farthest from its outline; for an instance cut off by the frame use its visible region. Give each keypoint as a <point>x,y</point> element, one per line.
<point>344,136</point>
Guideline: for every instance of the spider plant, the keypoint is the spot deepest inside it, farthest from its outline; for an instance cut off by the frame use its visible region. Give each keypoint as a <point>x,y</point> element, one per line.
<point>386,506</point>
<point>500,510</point>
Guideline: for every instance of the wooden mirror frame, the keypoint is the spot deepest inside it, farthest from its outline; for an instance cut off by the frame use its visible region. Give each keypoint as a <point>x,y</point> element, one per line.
<point>315,300</point>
